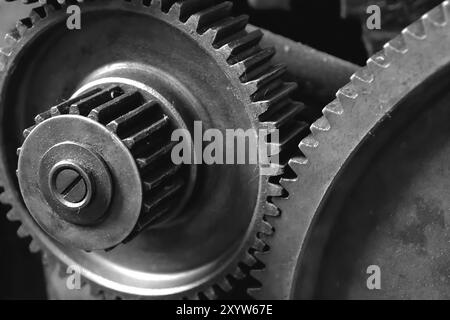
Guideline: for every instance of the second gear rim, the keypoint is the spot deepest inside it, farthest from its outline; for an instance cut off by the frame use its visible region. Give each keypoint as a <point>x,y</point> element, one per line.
<point>272,189</point>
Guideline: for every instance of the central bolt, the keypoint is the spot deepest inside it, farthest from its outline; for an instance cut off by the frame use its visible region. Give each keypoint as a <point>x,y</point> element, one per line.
<point>71,186</point>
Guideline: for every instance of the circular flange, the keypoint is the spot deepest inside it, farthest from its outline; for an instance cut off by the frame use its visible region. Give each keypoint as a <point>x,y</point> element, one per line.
<point>110,168</point>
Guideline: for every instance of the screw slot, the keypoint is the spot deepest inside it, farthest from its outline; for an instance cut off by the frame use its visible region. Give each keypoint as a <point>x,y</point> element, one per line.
<point>70,185</point>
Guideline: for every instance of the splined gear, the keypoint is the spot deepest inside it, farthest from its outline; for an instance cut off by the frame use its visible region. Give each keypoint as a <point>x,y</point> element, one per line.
<point>372,99</point>
<point>142,126</point>
<point>239,89</point>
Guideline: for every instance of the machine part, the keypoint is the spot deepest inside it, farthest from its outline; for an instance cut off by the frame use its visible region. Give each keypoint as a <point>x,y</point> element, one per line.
<point>229,82</point>
<point>104,178</point>
<point>378,101</point>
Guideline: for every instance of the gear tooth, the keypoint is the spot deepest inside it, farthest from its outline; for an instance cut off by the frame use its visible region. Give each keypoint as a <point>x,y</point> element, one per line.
<point>260,84</point>
<point>12,214</point>
<point>297,164</point>
<point>37,14</point>
<point>211,294</point>
<point>152,205</point>
<point>182,10</point>
<point>274,99</point>
<point>124,122</point>
<point>163,5</point>
<point>435,18</point>
<point>395,48</point>
<point>5,196</point>
<point>12,37</point>
<point>279,115</point>
<point>241,43</point>
<point>271,210</point>
<point>259,245</point>
<point>362,77</point>
<point>284,92</point>
<point>347,96</point>
<point>219,32</point>
<point>307,144</point>
<point>333,109</point>
<point>116,107</point>
<point>6,52</point>
<point>22,232</point>
<point>42,117</point>
<point>151,183</point>
<point>274,190</point>
<point>84,104</point>
<point>249,260</point>
<point>266,228</point>
<point>144,134</point>
<point>260,107</point>
<point>238,274</point>
<point>201,21</point>
<point>377,63</point>
<point>259,255</point>
<point>23,25</point>
<point>27,131</point>
<point>145,162</point>
<point>252,59</point>
<point>320,125</point>
<point>225,285</point>
<point>275,169</point>
<point>414,33</point>
<point>34,246</point>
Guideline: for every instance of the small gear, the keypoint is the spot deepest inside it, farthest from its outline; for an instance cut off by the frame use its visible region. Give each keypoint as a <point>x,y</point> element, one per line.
<point>79,189</point>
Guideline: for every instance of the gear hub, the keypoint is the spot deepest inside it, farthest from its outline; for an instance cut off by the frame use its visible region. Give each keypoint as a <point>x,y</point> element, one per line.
<point>93,191</point>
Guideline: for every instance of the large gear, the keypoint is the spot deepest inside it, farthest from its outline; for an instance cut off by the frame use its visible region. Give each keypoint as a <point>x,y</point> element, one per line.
<point>380,95</point>
<point>254,92</point>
